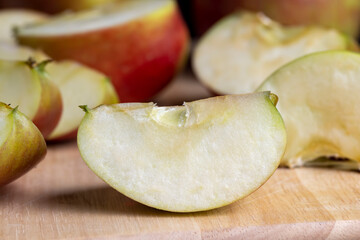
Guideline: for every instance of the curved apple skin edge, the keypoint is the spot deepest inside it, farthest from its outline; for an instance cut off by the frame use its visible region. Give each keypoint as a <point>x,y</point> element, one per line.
<point>111,98</point>
<point>335,158</point>
<point>50,107</point>
<point>272,98</point>
<point>23,148</point>
<point>172,37</point>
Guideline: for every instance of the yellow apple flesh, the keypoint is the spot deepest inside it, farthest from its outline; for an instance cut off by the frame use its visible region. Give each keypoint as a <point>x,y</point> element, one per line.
<point>14,18</point>
<point>21,144</point>
<point>240,51</point>
<point>78,85</point>
<point>200,156</point>
<point>25,84</point>
<point>319,101</point>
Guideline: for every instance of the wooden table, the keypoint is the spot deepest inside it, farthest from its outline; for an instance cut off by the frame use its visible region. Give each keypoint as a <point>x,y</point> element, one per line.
<point>62,199</point>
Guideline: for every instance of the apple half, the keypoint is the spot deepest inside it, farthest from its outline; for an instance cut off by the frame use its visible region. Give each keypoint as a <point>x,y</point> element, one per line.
<point>139,44</point>
<point>21,144</point>
<point>11,18</point>
<point>25,84</point>
<point>78,85</point>
<point>319,101</point>
<point>243,49</point>
<point>199,156</point>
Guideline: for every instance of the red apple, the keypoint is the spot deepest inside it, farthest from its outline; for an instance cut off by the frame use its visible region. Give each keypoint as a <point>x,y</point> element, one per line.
<point>343,15</point>
<point>139,45</point>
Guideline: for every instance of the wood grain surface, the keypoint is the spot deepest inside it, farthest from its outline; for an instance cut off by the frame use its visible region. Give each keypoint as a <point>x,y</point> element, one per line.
<point>62,199</point>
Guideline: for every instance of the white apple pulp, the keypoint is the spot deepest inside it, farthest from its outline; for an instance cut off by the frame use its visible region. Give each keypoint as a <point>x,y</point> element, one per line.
<point>319,101</point>
<point>203,155</point>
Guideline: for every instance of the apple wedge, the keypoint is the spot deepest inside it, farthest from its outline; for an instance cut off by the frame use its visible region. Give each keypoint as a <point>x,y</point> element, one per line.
<point>16,17</point>
<point>319,96</point>
<point>240,51</point>
<point>21,144</point>
<point>11,51</point>
<point>200,156</point>
<point>139,44</point>
<point>24,83</point>
<point>78,85</point>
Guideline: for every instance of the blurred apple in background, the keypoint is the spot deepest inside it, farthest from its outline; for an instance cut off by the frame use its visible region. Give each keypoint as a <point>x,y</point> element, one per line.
<point>140,45</point>
<point>340,14</point>
<point>52,6</point>
<point>12,17</point>
<point>25,84</point>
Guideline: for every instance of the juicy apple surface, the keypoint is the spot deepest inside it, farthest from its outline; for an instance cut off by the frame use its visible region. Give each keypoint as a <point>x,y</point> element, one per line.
<point>199,156</point>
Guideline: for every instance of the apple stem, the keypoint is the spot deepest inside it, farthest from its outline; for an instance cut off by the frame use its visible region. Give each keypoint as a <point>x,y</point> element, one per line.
<point>41,66</point>
<point>84,108</point>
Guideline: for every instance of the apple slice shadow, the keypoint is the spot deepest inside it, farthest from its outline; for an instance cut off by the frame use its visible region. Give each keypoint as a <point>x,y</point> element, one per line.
<point>105,199</point>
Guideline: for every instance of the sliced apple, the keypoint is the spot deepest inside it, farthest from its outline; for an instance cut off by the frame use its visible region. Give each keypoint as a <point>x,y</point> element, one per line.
<point>200,156</point>
<point>139,44</point>
<point>17,17</point>
<point>21,144</point>
<point>78,85</point>
<point>240,51</point>
<point>319,96</point>
<point>24,83</point>
<point>11,51</point>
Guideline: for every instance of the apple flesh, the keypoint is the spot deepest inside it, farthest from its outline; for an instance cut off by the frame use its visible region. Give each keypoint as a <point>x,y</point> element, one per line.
<point>24,83</point>
<point>200,156</point>
<point>78,85</point>
<point>139,45</point>
<point>21,144</point>
<point>319,96</point>
<point>343,15</point>
<point>53,6</point>
<point>16,17</point>
<point>11,51</point>
<point>240,51</point>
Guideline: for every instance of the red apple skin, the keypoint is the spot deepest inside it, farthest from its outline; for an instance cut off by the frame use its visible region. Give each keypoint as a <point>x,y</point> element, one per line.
<point>23,148</point>
<point>50,107</point>
<point>140,57</point>
<point>343,15</point>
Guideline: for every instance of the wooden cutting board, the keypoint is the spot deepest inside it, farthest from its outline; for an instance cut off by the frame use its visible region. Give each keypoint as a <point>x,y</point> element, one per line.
<point>62,199</point>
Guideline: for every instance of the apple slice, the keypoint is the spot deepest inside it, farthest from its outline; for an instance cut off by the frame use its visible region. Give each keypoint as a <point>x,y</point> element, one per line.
<point>21,144</point>
<point>240,51</point>
<point>26,84</point>
<point>16,17</point>
<point>200,156</point>
<point>78,85</point>
<point>11,51</point>
<point>319,96</point>
<point>139,44</point>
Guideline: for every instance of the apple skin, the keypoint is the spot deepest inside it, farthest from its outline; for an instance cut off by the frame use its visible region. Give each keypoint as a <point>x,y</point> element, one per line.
<point>50,108</point>
<point>140,57</point>
<point>343,15</point>
<point>23,148</point>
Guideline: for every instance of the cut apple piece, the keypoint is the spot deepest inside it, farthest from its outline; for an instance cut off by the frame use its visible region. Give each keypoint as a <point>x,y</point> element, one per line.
<point>240,51</point>
<point>25,84</point>
<point>200,156</point>
<point>319,96</point>
<point>78,85</point>
<point>21,144</point>
<point>11,51</point>
<point>139,44</point>
<point>17,17</point>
